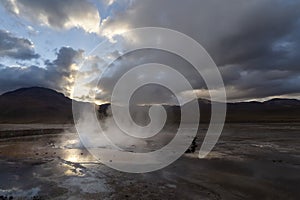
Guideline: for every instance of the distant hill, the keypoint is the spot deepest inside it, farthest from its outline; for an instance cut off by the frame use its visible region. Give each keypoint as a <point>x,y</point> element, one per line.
<point>275,110</point>
<point>42,105</point>
<point>35,105</point>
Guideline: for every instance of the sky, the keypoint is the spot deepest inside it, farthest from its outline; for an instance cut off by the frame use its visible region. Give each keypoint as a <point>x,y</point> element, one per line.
<point>255,44</point>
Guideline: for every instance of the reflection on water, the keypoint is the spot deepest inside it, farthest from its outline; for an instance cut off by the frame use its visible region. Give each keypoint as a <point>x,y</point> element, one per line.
<point>65,148</point>
<point>72,157</point>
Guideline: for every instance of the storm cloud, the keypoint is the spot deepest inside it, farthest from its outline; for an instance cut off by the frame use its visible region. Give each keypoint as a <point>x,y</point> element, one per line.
<point>255,43</point>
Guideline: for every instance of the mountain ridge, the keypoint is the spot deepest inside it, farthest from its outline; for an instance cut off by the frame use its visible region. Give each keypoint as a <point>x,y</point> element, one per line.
<point>35,105</point>
<point>44,105</point>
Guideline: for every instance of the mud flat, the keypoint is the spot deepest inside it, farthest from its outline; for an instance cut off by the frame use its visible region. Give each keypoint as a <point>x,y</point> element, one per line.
<point>250,161</point>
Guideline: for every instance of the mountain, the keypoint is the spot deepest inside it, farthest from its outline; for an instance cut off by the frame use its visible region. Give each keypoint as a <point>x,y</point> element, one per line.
<point>275,110</point>
<point>35,105</point>
<point>42,105</point>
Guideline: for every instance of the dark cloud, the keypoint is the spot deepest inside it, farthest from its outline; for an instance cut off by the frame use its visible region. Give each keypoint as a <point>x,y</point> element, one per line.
<point>254,84</point>
<point>150,93</point>
<point>256,44</point>
<point>233,31</point>
<point>57,14</point>
<point>15,47</point>
<point>16,77</point>
<point>58,74</point>
<point>63,69</point>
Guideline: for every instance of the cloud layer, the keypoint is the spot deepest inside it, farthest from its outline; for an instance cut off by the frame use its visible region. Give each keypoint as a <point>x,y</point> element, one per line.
<point>255,43</point>
<point>57,14</point>
<point>15,47</point>
<point>58,74</point>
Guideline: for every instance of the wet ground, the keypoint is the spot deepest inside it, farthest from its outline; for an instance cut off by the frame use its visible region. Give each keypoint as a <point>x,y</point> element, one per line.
<point>250,161</point>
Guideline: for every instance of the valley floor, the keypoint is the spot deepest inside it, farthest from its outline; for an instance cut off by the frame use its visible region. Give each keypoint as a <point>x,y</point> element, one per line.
<point>250,161</point>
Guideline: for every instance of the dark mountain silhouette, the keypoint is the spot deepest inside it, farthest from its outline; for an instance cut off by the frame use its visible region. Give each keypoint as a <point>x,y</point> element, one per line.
<point>35,105</point>
<point>42,105</point>
<point>275,110</point>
